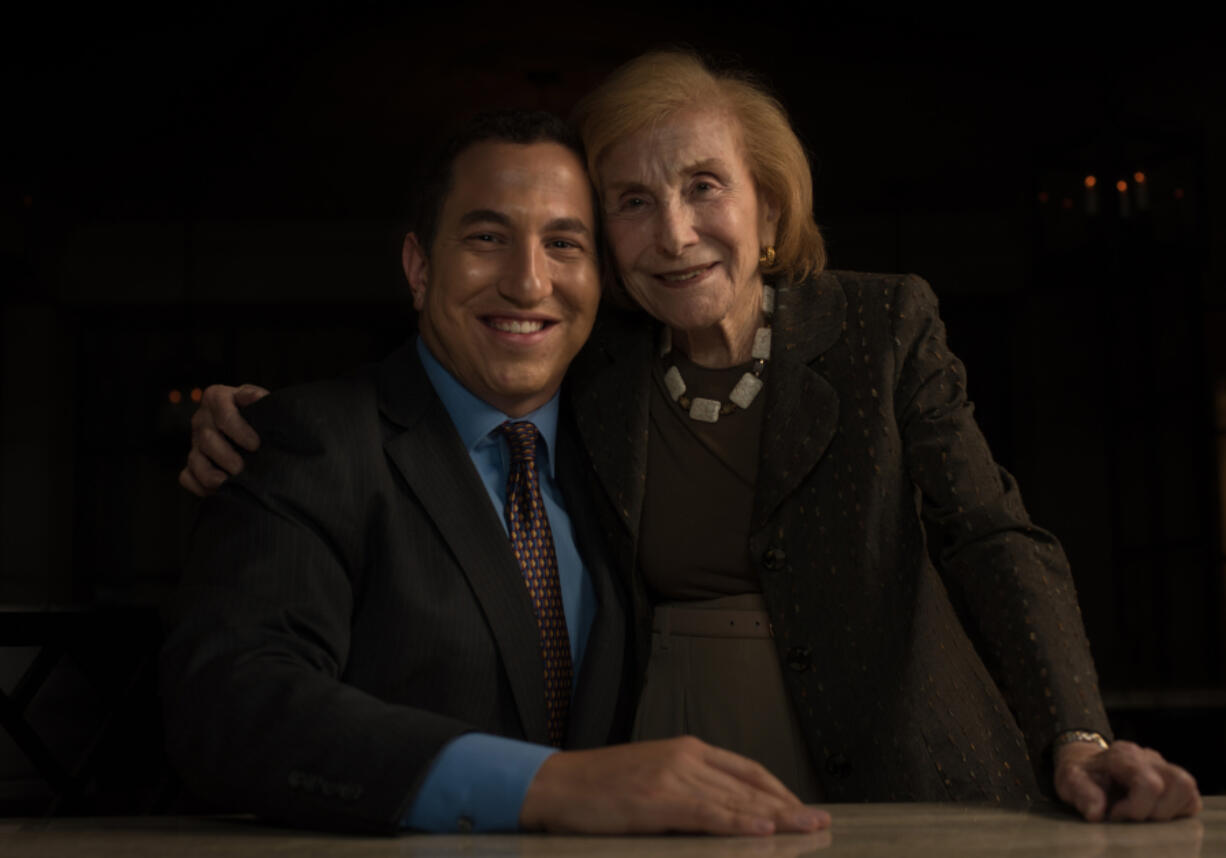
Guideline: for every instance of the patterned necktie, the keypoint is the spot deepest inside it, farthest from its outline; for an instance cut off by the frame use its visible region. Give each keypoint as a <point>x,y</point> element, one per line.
<point>532,542</point>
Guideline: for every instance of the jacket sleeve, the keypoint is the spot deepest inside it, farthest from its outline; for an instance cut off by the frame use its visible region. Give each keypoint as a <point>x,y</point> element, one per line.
<point>1008,579</point>
<point>257,714</point>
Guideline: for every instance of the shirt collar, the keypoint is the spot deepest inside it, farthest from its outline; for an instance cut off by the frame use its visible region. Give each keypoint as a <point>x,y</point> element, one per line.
<point>474,418</point>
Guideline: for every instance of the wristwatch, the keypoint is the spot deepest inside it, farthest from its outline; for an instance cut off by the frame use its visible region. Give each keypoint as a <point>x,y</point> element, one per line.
<point>1070,736</point>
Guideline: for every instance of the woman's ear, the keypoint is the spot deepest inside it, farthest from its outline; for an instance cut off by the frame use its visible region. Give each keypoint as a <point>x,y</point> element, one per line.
<point>768,219</point>
<point>416,269</point>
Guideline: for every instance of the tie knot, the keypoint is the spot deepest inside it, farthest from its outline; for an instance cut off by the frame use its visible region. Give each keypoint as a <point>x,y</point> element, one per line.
<point>521,437</point>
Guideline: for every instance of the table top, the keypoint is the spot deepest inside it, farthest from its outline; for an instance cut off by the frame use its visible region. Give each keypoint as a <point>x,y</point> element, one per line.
<point>913,830</point>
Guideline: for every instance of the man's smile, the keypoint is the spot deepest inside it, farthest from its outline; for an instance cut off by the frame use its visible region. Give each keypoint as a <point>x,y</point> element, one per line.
<point>516,326</point>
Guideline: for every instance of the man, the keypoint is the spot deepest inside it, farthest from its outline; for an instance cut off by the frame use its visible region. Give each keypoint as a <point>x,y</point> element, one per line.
<point>363,639</point>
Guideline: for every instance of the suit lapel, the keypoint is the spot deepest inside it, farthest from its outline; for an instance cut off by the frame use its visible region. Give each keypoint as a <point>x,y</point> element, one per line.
<point>609,384</point>
<point>802,407</point>
<point>598,682</point>
<point>432,459</point>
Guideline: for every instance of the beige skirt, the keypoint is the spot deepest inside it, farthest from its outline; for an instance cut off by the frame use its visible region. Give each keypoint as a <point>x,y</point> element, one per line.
<point>714,674</point>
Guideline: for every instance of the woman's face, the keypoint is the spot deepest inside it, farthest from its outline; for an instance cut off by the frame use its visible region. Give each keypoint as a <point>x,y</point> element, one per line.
<point>685,221</point>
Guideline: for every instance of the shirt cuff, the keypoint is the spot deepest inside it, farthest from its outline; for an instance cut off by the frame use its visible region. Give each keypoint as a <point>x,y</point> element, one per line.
<point>477,782</point>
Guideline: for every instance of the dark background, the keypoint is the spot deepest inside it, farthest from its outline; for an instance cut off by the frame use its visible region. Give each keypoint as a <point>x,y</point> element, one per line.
<point>217,196</point>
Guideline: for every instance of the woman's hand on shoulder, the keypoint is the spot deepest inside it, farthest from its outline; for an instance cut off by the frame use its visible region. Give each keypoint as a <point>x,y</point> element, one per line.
<point>217,428</point>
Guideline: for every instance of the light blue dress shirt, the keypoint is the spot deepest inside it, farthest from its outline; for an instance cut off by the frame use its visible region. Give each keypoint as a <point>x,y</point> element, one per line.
<point>478,777</point>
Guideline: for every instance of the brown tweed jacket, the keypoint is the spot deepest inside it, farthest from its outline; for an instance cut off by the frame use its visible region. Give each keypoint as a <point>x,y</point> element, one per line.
<point>929,632</point>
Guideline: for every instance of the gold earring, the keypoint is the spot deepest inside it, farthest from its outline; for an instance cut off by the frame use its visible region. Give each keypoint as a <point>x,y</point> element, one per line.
<point>767,256</point>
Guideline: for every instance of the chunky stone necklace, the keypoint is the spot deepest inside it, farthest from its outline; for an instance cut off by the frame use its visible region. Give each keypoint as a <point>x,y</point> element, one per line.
<point>747,388</point>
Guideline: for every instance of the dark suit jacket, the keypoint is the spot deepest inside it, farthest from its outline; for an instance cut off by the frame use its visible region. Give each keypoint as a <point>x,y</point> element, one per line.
<point>909,683</point>
<point>350,604</point>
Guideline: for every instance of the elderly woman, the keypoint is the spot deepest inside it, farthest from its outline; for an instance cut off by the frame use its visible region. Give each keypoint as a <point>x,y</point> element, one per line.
<point>780,456</point>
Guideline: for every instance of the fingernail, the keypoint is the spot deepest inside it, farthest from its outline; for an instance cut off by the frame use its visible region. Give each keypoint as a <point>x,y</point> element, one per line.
<point>763,826</point>
<point>807,819</point>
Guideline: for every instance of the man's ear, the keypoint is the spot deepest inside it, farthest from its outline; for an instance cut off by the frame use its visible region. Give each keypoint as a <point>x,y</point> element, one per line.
<point>416,268</point>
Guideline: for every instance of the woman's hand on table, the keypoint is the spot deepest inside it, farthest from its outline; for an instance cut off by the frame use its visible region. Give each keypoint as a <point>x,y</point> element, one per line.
<point>1124,782</point>
<point>217,428</point>
<point>670,785</point>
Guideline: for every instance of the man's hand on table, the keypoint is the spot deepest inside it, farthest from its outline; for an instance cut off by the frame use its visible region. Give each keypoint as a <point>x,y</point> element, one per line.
<point>671,785</point>
<point>216,428</point>
<point>1123,782</point>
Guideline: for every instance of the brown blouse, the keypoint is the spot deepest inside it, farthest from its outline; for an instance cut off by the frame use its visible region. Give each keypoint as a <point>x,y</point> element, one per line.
<point>700,490</point>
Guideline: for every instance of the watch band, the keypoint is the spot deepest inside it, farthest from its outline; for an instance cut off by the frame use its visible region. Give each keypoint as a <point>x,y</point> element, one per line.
<point>1070,736</point>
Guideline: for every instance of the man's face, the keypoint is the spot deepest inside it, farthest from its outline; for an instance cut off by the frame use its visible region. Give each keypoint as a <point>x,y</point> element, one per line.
<point>508,293</point>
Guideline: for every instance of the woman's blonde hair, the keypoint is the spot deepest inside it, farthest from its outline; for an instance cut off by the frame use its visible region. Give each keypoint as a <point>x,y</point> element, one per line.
<point>652,87</point>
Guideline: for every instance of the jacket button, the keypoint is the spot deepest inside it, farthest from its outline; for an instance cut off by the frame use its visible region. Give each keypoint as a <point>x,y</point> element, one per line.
<point>839,766</point>
<point>799,658</point>
<point>774,559</point>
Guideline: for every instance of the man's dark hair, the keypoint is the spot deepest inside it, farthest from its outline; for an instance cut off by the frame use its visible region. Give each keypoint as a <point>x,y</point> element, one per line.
<point>499,126</point>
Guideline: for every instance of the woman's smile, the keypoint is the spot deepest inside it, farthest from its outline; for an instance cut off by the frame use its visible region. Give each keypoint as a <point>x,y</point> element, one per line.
<point>687,276</point>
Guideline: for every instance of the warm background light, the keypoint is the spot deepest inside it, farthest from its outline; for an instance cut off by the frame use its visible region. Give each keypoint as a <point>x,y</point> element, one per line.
<point>196,394</point>
<point>175,397</point>
<point>1138,177</point>
<point>1121,186</point>
<point>1091,181</point>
